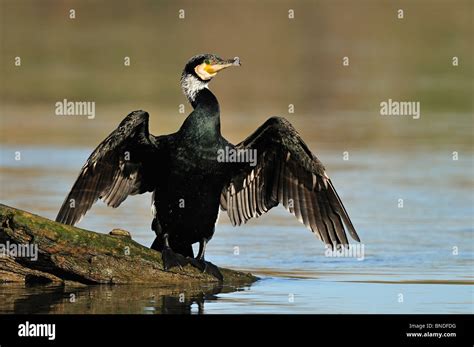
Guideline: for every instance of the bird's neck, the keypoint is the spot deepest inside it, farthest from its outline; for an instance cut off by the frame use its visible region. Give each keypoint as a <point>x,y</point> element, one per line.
<point>203,124</point>
<point>206,101</point>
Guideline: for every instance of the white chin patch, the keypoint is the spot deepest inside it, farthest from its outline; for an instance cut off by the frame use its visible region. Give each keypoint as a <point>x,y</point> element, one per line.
<point>191,86</point>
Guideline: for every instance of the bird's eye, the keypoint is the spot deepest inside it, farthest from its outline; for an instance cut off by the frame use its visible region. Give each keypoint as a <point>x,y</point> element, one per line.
<point>207,61</point>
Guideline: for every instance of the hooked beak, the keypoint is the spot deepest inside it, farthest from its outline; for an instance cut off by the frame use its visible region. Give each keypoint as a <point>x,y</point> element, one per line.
<point>213,68</point>
<point>207,71</point>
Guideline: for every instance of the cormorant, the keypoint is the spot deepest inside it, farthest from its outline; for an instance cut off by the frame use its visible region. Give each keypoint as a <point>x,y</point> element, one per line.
<point>194,170</point>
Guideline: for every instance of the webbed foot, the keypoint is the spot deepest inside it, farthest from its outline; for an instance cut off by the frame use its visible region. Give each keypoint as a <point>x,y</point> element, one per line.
<point>172,259</point>
<point>206,267</point>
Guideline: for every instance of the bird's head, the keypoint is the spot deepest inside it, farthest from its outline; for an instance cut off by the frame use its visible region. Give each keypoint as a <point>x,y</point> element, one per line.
<point>200,70</point>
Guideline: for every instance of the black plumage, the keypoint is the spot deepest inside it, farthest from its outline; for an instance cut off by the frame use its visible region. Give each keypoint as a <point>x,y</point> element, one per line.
<point>189,182</point>
<point>287,173</point>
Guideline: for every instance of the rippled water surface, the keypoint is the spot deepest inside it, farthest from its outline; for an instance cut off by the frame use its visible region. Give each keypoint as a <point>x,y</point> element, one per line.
<point>417,259</point>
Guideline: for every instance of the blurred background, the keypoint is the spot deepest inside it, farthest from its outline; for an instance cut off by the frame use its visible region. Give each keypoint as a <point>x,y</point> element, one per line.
<point>285,62</point>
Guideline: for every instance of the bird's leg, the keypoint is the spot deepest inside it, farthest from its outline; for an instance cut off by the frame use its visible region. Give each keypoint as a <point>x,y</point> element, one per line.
<point>203,265</point>
<point>170,258</point>
<point>202,249</point>
<point>199,261</point>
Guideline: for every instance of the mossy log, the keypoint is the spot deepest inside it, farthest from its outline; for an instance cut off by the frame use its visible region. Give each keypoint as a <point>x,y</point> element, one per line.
<point>66,253</point>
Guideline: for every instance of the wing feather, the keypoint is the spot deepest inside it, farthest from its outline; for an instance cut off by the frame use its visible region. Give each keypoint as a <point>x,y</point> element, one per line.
<point>287,172</point>
<point>122,165</point>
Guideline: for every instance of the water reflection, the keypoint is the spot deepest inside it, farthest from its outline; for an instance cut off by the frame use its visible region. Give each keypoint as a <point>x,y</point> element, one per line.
<point>408,250</point>
<point>106,299</point>
<point>337,110</point>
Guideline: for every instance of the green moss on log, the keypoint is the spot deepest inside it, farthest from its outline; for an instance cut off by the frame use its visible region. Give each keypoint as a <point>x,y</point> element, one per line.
<point>67,253</point>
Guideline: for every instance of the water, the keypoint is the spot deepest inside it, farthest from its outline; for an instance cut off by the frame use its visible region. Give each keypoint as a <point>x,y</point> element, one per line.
<point>418,259</point>
<point>421,253</point>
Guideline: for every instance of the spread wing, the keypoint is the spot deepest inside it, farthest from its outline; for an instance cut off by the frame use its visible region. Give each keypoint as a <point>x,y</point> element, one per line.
<point>288,173</point>
<point>123,164</point>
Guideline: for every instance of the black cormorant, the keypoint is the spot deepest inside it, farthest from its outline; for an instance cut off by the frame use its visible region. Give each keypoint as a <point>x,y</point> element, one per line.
<point>195,170</point>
